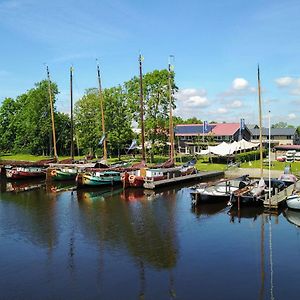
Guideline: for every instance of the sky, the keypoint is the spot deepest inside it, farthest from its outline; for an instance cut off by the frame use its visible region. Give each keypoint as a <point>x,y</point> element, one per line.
<point>217,46</point>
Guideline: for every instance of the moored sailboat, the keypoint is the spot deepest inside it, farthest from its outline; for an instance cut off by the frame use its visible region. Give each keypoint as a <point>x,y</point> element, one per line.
<point>25,172</point>
<point>98,178</point>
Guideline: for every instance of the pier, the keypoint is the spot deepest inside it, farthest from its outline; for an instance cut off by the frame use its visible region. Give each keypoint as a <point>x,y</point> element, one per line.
<point>198,176</point>
<point>279,197</point>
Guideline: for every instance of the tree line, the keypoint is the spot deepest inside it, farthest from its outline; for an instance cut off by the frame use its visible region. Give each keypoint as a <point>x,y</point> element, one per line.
<point>25,122</point>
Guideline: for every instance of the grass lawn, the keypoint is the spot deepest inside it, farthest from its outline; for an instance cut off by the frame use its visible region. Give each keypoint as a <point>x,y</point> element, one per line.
<point>29,157</point>
<point>276,165</point>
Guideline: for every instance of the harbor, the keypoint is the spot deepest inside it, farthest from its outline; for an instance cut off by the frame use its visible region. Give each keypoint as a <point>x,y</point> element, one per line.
<point>76,235</point>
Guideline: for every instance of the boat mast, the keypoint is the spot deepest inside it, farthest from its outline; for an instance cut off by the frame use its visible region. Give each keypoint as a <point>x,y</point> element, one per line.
<point>72,120</point>
<point>142,108</point>
<point>260,124</point>
<point>171,129</point>
<point>52,113</point>
<point>102,113</point>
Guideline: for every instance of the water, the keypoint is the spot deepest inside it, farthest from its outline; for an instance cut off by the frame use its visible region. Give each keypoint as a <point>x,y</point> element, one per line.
<point>110,244</point>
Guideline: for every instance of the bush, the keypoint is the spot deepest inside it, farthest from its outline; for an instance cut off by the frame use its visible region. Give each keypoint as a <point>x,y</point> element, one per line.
<point>239,157</point>
<point>251,155</point>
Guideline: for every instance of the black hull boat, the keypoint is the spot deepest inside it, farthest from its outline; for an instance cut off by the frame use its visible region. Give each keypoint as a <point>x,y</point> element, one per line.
<point>254,194</point>
<point>218,191</point>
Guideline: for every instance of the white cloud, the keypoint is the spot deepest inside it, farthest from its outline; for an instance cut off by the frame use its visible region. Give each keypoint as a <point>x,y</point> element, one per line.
<point>190,102</point>
<point>192,98</point>
<point>240,84</point>
<point>235,104</point>
<point>284,81</point>
<point>292,116</point>
<point>222,110</point>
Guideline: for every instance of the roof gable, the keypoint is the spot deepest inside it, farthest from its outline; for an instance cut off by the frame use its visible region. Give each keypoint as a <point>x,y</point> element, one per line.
<point>226,128</point>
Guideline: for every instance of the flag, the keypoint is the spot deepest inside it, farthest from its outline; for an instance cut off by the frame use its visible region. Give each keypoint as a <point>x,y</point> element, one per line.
<point>141,58</point>
<point>242,124</point>
<point>101,140</point>
<point>133,145</point>
<point>205,126</point>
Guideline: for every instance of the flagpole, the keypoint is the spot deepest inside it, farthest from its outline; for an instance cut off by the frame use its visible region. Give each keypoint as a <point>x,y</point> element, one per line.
<point>102,112</point>
<point>142,108</point>
<point>72,121</point>
<point>203,132</point>
<point>171,129</point>
<point>260,124</point>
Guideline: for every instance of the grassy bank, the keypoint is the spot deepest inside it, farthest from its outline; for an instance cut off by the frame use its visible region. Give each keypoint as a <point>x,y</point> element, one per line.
<point>203,164</point>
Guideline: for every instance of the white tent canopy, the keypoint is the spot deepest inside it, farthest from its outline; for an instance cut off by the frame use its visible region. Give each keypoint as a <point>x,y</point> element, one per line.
<point>225,149</point>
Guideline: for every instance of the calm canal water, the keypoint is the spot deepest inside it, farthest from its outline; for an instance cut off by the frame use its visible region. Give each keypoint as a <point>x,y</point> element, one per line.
<point>115,244</point>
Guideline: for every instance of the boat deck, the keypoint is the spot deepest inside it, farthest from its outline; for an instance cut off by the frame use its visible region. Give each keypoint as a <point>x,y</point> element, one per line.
<point>174,180</point>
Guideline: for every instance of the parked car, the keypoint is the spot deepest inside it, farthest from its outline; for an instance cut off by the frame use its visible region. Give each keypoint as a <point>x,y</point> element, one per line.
<point>281,158</point>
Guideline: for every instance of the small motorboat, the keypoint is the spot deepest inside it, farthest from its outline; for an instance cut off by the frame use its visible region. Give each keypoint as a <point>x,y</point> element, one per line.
<point>63,174</point>
<point>254,193</point>
<point>25,172</point>
<point>292,216</point>
<point>293,201</point>
<point>218,191</point>
<point>98,178</point>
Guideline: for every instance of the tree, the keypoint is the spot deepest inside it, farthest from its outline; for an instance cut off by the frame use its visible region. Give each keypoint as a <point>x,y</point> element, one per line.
<point>156,104</point>
<point>8,112</point>
<point>117,120</point>
<point>282,125</point>
<point>193,120</point>
<point>32,120</point>
<point>88,121</point>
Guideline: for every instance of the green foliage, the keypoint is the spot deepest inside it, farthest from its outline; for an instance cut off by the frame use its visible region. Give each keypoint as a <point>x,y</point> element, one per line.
<point>89,122</point>
<point>156,106</point>
<point>7,124</point>
<point>193,120</point>
<point>282,125</point>
<point>249,156</point>
<point>25,123</point>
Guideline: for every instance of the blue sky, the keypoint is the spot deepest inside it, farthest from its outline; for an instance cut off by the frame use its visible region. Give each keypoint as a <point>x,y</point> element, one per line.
<point>217,45</point>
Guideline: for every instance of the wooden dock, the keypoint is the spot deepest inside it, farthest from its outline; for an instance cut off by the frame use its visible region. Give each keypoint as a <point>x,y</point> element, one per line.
<point>198,176</point>
<point>279,197</point>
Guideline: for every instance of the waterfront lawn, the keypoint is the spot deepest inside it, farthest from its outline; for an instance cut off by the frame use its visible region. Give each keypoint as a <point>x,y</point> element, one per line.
<point>276,165</point>
<point>29,157</point>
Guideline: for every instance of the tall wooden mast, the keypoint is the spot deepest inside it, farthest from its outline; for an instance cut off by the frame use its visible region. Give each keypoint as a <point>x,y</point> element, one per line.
<point>72,119</point>
<point>260,124</point>
<point>52,113</point>
<point>102,112</point>
<point>142,108</point>
<point>171,128</point>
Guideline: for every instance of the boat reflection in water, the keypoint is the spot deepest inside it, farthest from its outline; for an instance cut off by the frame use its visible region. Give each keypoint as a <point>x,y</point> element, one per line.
<point>208,209</point>
<point>20,185</point>
<point>292,216</point>
<point>124,220</point>
<point>34,219</point>
<point>250,212</point>
<point>90,195</point>
<point>60,186</point>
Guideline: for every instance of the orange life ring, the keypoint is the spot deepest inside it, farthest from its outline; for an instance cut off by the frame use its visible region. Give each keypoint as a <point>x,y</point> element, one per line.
<point>53,173</point>
<point>131,178</point>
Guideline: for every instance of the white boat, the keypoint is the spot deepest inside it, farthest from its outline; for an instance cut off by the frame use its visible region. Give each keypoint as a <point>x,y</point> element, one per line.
<point>293,201</point>
<point>218,191</point>
<point>292,216</point>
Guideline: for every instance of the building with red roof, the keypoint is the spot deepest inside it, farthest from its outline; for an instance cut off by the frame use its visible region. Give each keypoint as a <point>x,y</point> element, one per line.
<point>191,136</point>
